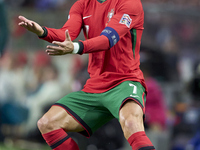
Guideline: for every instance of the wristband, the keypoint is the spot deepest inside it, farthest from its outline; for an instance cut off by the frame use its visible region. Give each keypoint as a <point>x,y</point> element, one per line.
<point>44,34</point>
<point>76,48</point>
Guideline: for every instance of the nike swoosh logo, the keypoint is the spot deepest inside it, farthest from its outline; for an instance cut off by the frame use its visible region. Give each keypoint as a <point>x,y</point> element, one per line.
<point>134,96</point>
<point>87,16</point>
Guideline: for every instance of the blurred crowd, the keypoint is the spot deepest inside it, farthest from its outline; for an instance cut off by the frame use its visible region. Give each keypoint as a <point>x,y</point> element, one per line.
<point>179,3</point>
<point>30,84</point>
<point>39,4</point>
<point>31,81</point>
<point>61,4</point>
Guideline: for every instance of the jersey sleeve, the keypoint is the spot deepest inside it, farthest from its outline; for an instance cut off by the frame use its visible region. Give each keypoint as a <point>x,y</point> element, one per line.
<point>129,14</point>
<point>73,25</point>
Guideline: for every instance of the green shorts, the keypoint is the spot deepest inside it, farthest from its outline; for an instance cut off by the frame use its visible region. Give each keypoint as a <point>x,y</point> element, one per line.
<point>92,110</point>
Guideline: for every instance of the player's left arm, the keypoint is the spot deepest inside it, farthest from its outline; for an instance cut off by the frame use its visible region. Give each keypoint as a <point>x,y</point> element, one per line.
<point>129,14</point>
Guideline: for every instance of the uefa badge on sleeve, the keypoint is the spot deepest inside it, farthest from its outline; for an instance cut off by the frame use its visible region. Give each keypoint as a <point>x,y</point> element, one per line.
<point>126,19</point>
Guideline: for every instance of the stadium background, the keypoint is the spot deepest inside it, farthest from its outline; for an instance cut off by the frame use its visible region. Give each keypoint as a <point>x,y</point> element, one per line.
<point>30,81</point>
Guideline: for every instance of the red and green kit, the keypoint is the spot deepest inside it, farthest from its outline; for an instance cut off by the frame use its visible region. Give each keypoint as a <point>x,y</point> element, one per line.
<point>113,31</point>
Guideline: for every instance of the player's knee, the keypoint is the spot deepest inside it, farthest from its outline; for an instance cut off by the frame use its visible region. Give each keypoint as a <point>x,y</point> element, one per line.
<point>45,124</point>
<point>131,123</point>
<point>130,120</point>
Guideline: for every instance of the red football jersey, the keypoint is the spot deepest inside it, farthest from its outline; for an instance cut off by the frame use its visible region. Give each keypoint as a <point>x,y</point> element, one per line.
<point>113,31</point>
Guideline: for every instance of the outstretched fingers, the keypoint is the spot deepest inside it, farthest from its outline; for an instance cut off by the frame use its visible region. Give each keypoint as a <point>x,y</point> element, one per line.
<point>22,18</point>
<point>25,21</point>
<point>53,52</point>
<point>54,47</point>
<point>57,50</point>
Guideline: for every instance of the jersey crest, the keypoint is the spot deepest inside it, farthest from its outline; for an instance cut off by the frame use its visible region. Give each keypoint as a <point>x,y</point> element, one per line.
<point>110,15</point>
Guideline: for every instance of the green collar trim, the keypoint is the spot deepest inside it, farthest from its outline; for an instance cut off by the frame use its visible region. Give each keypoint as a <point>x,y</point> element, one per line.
<point>101,1</point>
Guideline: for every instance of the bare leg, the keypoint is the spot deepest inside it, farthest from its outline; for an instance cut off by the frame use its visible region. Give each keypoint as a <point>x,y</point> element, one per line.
<point>131,120</point>
<point>57,118</point>
<point>54,125</point>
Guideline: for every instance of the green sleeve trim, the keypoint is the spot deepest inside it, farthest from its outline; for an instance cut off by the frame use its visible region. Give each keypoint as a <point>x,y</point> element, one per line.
<point>134,38</point>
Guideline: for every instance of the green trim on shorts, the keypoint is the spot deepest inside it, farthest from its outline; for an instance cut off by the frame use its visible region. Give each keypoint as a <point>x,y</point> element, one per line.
<point>92,110</point>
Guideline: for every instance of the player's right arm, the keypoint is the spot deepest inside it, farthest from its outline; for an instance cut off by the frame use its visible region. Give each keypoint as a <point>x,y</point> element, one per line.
<point>31,26</point>
<point>73,25</point>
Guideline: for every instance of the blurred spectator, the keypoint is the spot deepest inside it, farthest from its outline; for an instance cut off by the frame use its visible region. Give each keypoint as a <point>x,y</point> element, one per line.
<point>192,3</point>
<point>49,4</point>
<point>187,125</point>
<point>13,112</point>
<point>14,3</point>
<point>156,108</point>
<point>39,61</point>
<point>3,27</point>
<point>156,59</point>
<point>40,101</point>
<point>195,83</point>
<point>194,143</point>
<point>11,78</point>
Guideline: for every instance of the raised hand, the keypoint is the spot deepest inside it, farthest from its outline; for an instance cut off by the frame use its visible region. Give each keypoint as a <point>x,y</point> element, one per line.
<point>65,47</point>
<point>31,25</point>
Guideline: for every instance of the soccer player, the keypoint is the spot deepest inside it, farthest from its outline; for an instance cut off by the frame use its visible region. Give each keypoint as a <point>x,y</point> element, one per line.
<point>116,87</point>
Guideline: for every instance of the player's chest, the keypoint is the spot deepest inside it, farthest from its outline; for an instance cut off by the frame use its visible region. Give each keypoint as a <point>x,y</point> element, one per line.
<point>97,15</point>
